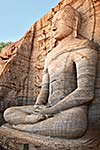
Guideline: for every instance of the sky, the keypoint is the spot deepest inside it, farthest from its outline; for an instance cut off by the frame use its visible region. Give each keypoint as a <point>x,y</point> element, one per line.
<point>17,16</point>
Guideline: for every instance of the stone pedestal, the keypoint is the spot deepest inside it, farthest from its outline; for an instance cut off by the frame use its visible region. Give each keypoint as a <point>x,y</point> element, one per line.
<point>16,140</point>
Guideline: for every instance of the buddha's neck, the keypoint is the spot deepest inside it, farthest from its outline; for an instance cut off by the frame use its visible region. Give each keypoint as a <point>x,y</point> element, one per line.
<point>68,39</point>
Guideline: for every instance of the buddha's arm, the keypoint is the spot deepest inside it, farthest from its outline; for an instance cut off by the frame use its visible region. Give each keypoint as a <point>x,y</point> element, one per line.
<point>86,62</point>
<point>43,95</point>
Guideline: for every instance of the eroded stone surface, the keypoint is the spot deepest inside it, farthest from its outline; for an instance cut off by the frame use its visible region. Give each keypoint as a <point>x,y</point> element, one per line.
<point>43,43</point>
<point>17,140</point>
<point>17,91</point>
<point>68,83</point>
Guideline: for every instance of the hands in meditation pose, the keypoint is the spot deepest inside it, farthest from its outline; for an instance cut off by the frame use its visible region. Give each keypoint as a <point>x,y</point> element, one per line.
<point>68,83</point>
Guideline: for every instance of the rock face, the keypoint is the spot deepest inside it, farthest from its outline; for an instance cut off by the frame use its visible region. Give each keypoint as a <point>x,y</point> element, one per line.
<point>14,72</point>
<point>22,64</point>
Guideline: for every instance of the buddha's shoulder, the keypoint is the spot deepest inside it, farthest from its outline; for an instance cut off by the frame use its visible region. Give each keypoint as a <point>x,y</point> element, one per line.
<point>82,43</point>
<point>86,48</point>
<point>86,43</point>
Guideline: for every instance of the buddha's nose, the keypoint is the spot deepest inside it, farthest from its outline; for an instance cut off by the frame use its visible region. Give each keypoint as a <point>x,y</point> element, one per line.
<point>54,29</point>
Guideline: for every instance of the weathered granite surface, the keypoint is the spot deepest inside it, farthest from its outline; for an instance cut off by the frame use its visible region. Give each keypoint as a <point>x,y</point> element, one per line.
<point>21,71</point>
<point>14,72</point>
<point>21,64</point>
<point>68,84</point>
<point>16,140</point>
<point>30,53</point>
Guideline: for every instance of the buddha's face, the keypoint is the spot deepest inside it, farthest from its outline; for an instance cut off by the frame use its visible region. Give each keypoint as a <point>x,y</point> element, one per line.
<point>61,25</point>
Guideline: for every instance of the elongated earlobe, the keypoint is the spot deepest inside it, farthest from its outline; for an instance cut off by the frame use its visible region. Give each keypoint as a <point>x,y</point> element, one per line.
<point>75,27</point>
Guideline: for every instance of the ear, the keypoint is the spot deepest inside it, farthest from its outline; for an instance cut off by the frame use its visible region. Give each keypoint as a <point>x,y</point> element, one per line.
<point>75,27</point>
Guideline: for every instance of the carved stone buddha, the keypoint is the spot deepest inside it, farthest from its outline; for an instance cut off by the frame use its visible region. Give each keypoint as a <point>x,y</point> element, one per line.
<point>68,84</point>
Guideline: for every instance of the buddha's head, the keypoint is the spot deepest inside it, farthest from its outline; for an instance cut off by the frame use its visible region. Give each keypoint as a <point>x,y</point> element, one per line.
<point>65,23</point>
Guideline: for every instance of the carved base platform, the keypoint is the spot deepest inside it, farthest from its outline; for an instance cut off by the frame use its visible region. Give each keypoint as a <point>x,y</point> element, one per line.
<point>11,139</point>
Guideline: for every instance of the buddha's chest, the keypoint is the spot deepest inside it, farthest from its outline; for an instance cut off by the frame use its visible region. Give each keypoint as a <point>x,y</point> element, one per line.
<point>61,64</point>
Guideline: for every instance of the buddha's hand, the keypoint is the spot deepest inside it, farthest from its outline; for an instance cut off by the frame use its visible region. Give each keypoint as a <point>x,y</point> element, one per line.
<point>38,108</point>
<point>47,112</point>
<point>40,117</point>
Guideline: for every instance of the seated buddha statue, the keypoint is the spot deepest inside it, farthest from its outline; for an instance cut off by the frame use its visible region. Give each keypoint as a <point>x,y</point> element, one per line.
<point>61,109</point>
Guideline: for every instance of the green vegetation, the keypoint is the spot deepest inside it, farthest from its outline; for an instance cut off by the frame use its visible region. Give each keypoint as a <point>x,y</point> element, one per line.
<point>4,44</point>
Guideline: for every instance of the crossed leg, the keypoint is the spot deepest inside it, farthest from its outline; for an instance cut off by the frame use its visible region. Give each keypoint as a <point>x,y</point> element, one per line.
<point>71,123</point>
<point>22,114</point>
